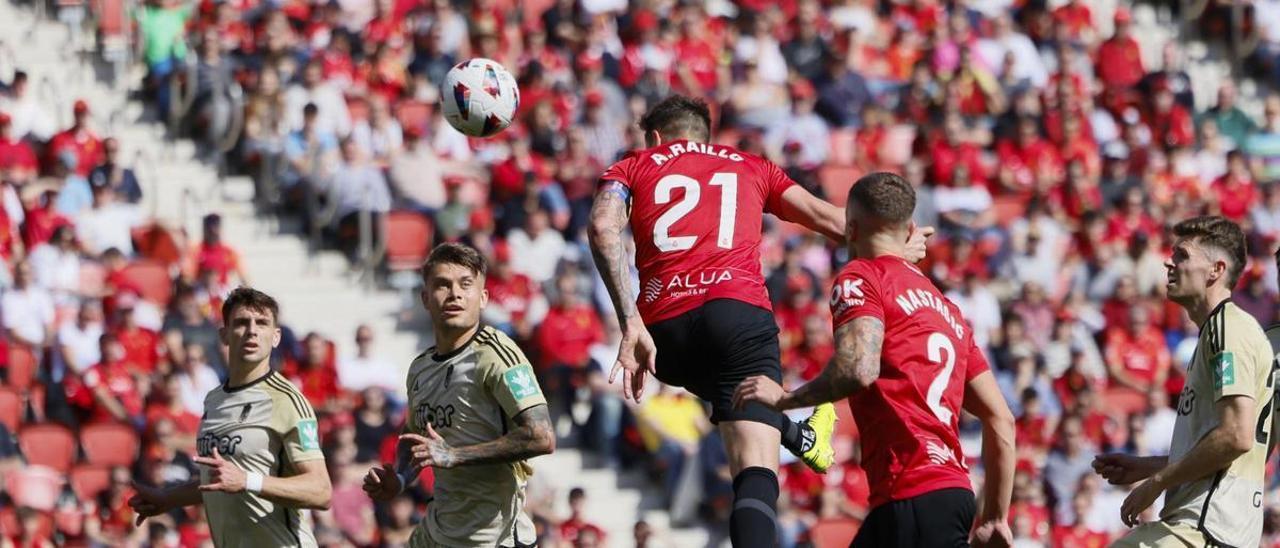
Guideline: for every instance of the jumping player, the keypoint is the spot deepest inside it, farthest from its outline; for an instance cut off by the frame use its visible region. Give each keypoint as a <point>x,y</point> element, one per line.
<point>703,320</point>
<point>906,360</point>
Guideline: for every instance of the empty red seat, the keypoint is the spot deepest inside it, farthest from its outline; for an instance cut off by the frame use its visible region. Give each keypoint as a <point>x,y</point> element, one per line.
<point>23,366</point>
<point>836,182</point>
<point>152,278</point>
<point>834,533</point>
<point>10,409</point>
<point>408,240</point>
<point>35,487</point>
<point>49,444</point>
<point>843,147</point>
<point>89,480</point>
<point>109,444</point>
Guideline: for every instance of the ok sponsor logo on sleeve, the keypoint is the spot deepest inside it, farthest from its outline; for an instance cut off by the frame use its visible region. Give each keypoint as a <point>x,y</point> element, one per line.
<point>846,294</point>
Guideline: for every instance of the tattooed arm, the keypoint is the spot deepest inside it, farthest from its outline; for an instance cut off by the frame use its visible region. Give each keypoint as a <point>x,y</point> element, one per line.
<point>531,436</point>
<point>609,213</point>
<point>855,366</point>
<point>637,353</point>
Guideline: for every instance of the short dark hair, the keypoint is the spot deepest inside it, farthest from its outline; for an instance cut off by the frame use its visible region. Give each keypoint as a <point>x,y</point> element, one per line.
<point>885,196</point>
<point>1219,233</point>
<point>678,115</point>
<point>248,297</point>
<point>454,253</point>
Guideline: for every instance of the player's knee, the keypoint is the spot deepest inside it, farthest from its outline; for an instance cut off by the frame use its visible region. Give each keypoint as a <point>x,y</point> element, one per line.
<point>750,443</point>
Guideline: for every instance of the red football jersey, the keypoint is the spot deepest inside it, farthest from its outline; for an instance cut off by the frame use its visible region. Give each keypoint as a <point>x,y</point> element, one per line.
<point>696,213</point>
<point>909,419</point>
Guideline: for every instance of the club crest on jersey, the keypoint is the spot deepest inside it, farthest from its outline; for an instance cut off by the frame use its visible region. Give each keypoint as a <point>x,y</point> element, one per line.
<point>309,435</point>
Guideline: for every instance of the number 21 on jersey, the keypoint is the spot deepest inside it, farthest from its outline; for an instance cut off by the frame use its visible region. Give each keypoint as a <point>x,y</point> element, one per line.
<point>662,194</point>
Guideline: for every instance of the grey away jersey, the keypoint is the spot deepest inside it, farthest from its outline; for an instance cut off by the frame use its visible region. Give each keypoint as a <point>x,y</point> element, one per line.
<point>470,396</point>
<point>266,426</point>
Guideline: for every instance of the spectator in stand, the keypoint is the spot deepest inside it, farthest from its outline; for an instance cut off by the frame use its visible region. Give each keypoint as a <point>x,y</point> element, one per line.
<point>30,119</point>
<point>18,163</point>
<point>980,306</point>
<point>536,249</point>
<point>803,127</point>
<point>1036,313</point>
<point>1137,358</point>
<point>1079,533</point>
<point>419,176</point>
<point>603,134</point>
<point>1171,75</point>
<point>74,193</point>
<point>28,311</point>
<point>576,524</point>
<point>563,340</point>
<point>78,139</point>
<point>373,424</point>
<point>186,317</point>
<point>1235,192</point>
<point>310,151</point>
<point>213,255</point>
<point>577,173</point>
<point>842,94</point>
<point>1232,122</point>
<point>79,341</point>
<point>107,391</point>
<point>1170,121</point>
<point>141,345</point>
<point>357,187</point>
<point>516,304</point>
<point>364,369</point>
<point>381,134</point>
<point>1008,43</point>
<point>112,174</point>
<point>316,374</point>
<point>1066,464</point>
<point>671,423</point>
<point>1263,145</point>
<point>331,109</point>
<point>194,377</point>
<point>108,224</point>
<point>162,26</point>
<point>55,266</point>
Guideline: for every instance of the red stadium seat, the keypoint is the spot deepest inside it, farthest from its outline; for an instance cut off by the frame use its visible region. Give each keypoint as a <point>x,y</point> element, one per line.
<point>23,365</point>
<point>88,480</point>
<point>48,444</point>
<point>836,182</point>
<point>843,148</point>
<point>113,443</point>
<point>152,277</point>
<point>35,487</point>
<point>111,18</point>
<point>834,533</point>
<point>10,409</point>
<point>408,240</point>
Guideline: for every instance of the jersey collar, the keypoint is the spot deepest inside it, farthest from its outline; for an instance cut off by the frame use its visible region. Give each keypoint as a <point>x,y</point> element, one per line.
<point>458,350</point>
<point>227,387</point>
<point>1216,310</point>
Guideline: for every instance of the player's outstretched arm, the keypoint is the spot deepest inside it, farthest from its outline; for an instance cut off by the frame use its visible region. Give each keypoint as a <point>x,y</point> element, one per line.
<point>999,457</point>
<point>531,435</point>
<point>1229,440</point>
<point>855,366</point>
<point>813,213</point>
<point>637,354</point>
<point>152,501</point>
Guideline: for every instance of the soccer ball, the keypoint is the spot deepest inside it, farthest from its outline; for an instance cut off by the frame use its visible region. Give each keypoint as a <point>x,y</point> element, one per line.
<point>480,97</point>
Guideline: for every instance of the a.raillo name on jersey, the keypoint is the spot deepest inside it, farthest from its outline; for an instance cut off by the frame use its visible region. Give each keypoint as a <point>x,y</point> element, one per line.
<point>679,148</point>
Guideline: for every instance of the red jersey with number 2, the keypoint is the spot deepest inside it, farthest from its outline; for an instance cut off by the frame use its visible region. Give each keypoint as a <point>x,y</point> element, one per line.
<point>909,419</point>
<point>696,215</point>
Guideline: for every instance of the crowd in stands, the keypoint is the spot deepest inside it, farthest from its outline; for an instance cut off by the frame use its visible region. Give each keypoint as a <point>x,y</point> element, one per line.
<point>1052,156</point>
